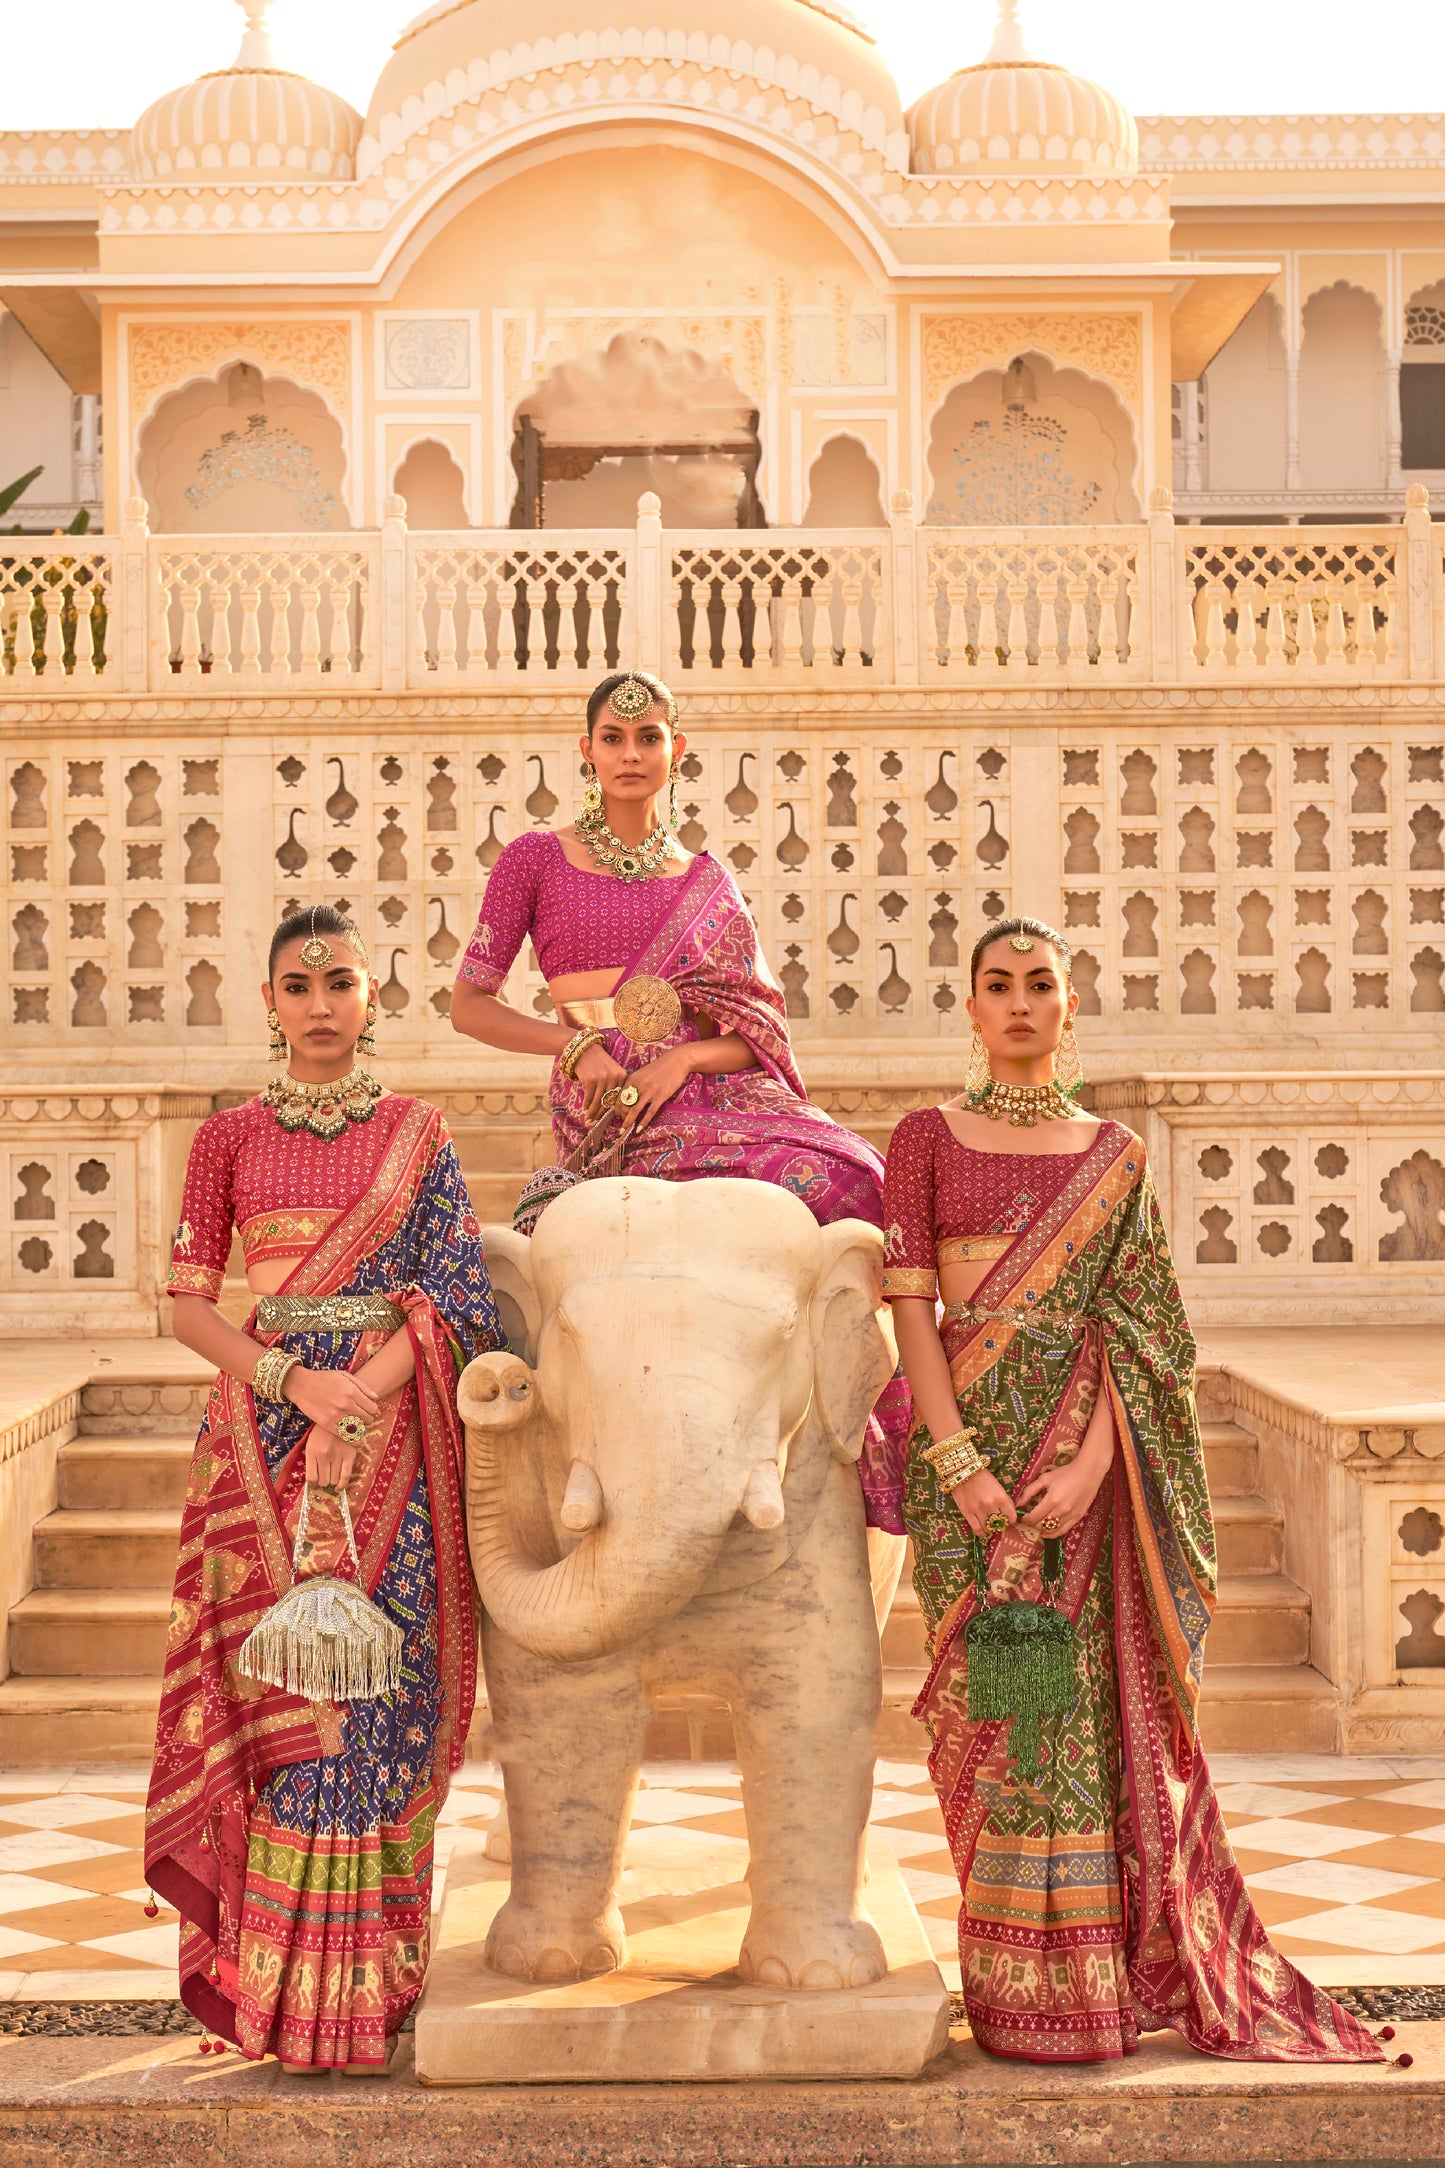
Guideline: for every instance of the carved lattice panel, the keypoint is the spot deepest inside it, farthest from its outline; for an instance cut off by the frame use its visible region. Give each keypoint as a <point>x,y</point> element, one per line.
<point>1250,874</point>
<point>69,1216</point>
<point>114,905</point>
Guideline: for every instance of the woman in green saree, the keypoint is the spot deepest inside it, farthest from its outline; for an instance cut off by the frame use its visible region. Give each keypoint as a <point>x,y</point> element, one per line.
<point>1058,1463</point>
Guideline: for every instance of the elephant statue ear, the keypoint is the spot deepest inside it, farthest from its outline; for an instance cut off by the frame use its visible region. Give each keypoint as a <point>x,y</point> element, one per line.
<point>853,1348</point>
<point>509,1266</point>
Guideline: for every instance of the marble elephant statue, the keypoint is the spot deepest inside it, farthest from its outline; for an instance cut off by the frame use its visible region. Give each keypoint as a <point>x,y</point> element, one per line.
<point>661,1491</point>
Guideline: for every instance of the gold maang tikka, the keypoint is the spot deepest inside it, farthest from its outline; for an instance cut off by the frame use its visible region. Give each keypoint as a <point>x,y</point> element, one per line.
<point>633,697</point>
<point>315,953</point>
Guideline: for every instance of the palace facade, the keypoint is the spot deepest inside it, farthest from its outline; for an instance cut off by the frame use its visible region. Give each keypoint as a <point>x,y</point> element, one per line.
<point>1030,506</point>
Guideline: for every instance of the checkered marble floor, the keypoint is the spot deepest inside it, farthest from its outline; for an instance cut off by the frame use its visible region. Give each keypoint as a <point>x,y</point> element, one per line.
<point>1344,1858</point>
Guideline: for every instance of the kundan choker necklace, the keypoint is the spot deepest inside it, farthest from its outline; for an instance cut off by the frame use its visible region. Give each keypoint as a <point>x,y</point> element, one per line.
<point>1022,1105</point>
<point>642,861</point>
<point>324,1109</point>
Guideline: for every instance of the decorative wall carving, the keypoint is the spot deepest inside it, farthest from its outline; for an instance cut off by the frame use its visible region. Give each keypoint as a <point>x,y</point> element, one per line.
<point>1111,347</point>
<point>316,354</point>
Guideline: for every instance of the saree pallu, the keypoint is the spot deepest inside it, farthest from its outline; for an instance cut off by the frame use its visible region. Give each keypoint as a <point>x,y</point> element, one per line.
<point>1105,1901</point>
<point>295,1838</point>
<point>757,1123</point>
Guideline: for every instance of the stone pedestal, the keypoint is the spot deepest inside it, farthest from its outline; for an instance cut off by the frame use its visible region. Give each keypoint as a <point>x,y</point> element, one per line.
<point>677,2010</point>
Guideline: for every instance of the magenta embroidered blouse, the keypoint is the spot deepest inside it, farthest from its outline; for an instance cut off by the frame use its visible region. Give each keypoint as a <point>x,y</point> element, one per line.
<point>577,920</point>
<point>938,1194</point>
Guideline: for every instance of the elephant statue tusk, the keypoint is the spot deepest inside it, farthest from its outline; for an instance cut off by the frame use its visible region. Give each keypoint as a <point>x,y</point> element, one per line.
<point>582,1499</point>
<point>763,1497</point>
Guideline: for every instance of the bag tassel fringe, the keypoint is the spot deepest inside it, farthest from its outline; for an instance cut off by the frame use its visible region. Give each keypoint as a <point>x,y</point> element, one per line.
<point>1022,1661</point>
<point>325,1640</point>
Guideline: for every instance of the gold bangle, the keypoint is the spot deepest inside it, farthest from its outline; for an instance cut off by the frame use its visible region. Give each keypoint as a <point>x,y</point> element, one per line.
<point>575,1048</point>
<point>955,1459</point>
<point>268,1379</point>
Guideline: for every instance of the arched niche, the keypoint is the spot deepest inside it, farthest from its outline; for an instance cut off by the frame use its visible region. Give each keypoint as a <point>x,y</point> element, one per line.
<point>1246,400</point>
<point>637,414</point>
<point>845,488</point>
<point>1341,390</point>
<point>1422,381</point>
<point>434,488</point>
<point>1031,445</point>
<point>243,453</point>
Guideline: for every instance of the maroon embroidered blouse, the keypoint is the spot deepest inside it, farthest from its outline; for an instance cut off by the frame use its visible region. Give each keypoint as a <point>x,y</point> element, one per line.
<point>945,1203</point>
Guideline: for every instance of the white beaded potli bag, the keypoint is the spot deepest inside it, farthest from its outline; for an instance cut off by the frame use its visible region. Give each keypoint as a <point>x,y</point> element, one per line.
<point>325,1640</point>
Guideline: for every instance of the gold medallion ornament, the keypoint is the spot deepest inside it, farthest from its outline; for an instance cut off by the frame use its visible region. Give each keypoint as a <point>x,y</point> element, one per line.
<point>647,1010</point>
<point>315,955</point>
<point>324,1109</point>
<point>633,697</point>
<point>1021,944</point>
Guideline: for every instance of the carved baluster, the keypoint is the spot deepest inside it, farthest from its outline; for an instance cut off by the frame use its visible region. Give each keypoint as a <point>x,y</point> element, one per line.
<point>1274,633</point>
<point>732,625</point>
<point>536,625</point>
<point>786,614</point>
<point>1335,634</point>
<point>1390,630</point>
<point>278,594</point>
<point>1362,617</point>
<point>508,584</point>
<point>989,642</point>
<point>1049,622</point>
<point>310,666</point>
<point>52,657</point>
<point>1245,630</point>
<point>567,624</point>
<point>218,611</point>
<point>1017,657</point>
<point>476,662</point>
<point>852,656</point>
<point>1076,653</point>
<point>1109,626</point>
<point>955,652</point>
<point>1305,634</point>
<point>1215,637</point>
<point>84,632</point>
<point>445,664</point>
<point>190,640</point>
<point>596,628</point>
<point>338,659</point>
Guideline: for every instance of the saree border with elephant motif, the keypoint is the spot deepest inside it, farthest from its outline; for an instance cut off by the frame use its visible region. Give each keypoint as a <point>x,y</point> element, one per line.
<point>220,1735</point>
<point>756,1122</point>
<point>1074,1940</point>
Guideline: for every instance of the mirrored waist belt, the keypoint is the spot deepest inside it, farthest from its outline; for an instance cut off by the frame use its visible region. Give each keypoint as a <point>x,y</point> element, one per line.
<point>328,1313</point>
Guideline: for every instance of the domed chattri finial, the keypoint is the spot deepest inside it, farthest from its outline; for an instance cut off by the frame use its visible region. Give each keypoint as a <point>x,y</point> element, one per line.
<point>255,38</point>
<point>1008,48</point>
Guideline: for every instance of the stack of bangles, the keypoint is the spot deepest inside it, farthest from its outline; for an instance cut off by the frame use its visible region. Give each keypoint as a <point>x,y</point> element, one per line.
<point>955,1459</point>
<point>575,1048</point>
<point>268,1379</point>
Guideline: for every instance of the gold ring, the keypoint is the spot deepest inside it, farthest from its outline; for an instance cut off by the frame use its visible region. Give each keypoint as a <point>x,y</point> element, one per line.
<point>996,1523</point>
<point>609,1097</point>
<point>628,1096</point>
<point>1049,1525</point>
<point>351,1429</point>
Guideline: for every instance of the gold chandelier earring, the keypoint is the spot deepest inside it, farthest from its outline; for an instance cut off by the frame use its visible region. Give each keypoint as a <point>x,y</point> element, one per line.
<point>591,795</point>
<point>672,796</point>
<point>978,1077</point>
<point>1068,1065</point>
<point>366,1044</point>
<point>279,1048</point>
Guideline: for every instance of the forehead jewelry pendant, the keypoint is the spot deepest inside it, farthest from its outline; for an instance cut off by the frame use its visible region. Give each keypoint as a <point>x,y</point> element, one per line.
<point>633,697</point>
<point>315,954</point>
<point>1021,944</point>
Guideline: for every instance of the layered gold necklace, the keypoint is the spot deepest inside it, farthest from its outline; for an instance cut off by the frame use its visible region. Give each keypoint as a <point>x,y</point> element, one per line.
<point>642,861</point>
<point>1022,1105</point>
<point>324,1109</point>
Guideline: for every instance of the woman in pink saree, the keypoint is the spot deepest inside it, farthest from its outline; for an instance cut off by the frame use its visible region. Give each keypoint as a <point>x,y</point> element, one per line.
<point>670,1055</point>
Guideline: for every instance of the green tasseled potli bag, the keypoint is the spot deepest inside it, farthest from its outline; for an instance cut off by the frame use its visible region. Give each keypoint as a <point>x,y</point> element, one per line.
<point>1021,1660</point>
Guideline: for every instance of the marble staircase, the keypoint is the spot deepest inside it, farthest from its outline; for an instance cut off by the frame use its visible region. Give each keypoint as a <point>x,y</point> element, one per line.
<point>87,1642</point>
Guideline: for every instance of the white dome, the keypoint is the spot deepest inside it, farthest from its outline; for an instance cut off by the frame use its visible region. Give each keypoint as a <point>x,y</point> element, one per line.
<point>251,121</point>
<point>1014,114</point>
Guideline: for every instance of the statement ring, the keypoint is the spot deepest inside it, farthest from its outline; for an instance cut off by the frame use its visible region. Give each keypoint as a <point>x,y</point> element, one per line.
<point>351,1429</point>
<point>628,1096</point>
<point>996,1523</point>
<point>1049,1525</point>
<point>609,1097</point>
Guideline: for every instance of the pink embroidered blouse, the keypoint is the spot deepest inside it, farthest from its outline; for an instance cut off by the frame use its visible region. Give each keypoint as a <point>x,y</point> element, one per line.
<point>945,1203</point>
<point>280,1191</point>
<point>577,920</point>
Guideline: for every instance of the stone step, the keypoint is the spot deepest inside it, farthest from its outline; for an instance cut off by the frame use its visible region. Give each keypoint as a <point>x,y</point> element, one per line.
<point>1263,1618</point>
<point>1250,1534</point>
<point>57,1723</point>
<point>1231,1458</point>
<point>107,1549</point>
<point>124,1472</point>
<point>1274,1708</point>
<point>66,1632</point>
<point>496,1149</point>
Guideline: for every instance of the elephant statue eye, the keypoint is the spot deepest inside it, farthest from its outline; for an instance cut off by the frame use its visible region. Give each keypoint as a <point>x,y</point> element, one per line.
<point>520,1391</point>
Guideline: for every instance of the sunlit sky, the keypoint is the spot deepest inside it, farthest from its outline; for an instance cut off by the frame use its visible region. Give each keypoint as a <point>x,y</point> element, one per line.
<point>98,63</point>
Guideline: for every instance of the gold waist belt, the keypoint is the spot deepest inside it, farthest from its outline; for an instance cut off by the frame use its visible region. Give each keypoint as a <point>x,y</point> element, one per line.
<point>644,1009</point>
<point>974,1249</point>
<point>1018,1313</point>
<point>327,1313</point>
